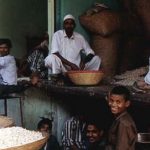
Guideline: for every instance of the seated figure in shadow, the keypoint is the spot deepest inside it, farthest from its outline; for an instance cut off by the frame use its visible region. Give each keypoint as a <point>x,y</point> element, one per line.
<point>45,126</point>
<point>95,135</point>
<point>34,62</point>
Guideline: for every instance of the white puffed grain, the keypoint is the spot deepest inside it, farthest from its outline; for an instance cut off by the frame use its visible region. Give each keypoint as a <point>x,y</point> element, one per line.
<point>17,136</point>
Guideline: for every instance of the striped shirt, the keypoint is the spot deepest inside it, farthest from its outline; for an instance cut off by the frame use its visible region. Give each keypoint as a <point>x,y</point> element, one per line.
<point>73,134</point>
<point>36,62</point>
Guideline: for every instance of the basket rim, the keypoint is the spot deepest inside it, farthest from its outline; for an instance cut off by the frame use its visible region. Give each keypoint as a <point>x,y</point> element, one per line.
<point>44,139</point>
<point>85,71</point>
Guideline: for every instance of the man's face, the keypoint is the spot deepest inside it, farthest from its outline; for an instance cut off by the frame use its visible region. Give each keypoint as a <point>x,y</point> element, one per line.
<point>117,103</point>
<point>69,25</point>
<point>4,49</point>
<point>93,133</point>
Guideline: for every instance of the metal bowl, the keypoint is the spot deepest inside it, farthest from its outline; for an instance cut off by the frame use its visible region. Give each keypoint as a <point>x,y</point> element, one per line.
<point>143,137</point>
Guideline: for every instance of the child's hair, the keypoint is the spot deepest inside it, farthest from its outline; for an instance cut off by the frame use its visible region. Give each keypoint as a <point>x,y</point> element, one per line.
<point>7,42</point>
<point>98,124</point>
<point>121,90</point>
<point>44,121</point>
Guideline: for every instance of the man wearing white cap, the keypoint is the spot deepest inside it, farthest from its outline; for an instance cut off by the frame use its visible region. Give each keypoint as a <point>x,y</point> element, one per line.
<point>70,51</point>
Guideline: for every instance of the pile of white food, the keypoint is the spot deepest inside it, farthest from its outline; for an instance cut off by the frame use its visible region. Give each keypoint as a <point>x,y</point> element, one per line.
<point>17,136</point>
<point>129,77</point>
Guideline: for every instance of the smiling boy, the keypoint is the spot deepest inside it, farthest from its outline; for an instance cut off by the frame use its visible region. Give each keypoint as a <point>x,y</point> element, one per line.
<point>122,134</point>
<point>94,134</point>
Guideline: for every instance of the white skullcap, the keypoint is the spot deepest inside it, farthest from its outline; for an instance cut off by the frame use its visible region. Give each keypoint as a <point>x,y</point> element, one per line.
<point>69,16</point>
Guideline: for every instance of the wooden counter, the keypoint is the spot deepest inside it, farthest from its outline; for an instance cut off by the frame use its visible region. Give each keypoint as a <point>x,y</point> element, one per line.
<point>92,91</point>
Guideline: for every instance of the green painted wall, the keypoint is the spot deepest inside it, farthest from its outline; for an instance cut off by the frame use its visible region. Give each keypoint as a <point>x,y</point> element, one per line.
<point>76,8</point>
<point>19,19</point>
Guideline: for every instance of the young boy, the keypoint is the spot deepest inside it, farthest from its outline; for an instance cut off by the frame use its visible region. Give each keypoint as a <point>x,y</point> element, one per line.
<point>95,136</point>
<point>122,134</point>
<point>45,126</point>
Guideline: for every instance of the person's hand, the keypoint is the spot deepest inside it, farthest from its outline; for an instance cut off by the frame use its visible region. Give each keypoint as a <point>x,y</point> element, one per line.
<point>82,65</point>
<point>74,67</point>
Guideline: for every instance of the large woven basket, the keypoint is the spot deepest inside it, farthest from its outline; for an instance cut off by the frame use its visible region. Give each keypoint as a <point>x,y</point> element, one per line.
<point>30,146</point>
<point>87,77</point>
<point>6,122</point>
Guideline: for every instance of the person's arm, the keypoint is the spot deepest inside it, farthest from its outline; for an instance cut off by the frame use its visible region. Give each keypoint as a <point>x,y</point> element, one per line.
<point>88,58</point>
<point>5,60</point>
<point>125,137</point>
<point>88,52</point>
<point>66,62</point>
<point>85,58</point>
<point>2,62</point>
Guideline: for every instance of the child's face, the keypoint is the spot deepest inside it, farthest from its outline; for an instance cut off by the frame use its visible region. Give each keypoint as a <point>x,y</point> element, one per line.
<point>45,128</point>
<point>4,49</point>
<point>93,134</point>
<point>35,80</point>
<point>117,103</point>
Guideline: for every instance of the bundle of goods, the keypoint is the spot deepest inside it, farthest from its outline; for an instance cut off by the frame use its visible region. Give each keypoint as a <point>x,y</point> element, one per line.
<point>130,77</point>
<point>102,26</point>
<point>18,138</point>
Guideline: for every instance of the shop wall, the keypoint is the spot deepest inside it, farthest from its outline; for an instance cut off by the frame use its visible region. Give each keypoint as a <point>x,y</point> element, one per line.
<point>76,8</point>
<point>20,19</point>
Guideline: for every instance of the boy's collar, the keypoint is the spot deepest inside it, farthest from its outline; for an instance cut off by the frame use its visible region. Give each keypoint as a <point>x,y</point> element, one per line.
<point>120,115</point>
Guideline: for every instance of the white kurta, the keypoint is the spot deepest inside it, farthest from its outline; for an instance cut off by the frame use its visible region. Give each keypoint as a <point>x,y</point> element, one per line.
<point>8,70</point>
<point>69,48</point>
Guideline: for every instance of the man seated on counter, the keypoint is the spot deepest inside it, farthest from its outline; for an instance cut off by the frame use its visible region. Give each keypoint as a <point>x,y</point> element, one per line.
<point>70,50</point>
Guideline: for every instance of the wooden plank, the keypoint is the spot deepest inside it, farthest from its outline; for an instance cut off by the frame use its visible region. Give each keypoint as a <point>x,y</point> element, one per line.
<point>91,91</point>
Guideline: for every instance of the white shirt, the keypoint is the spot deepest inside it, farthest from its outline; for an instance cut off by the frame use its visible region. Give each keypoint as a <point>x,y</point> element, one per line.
<point>69,48</point>
<point>8,70</point>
